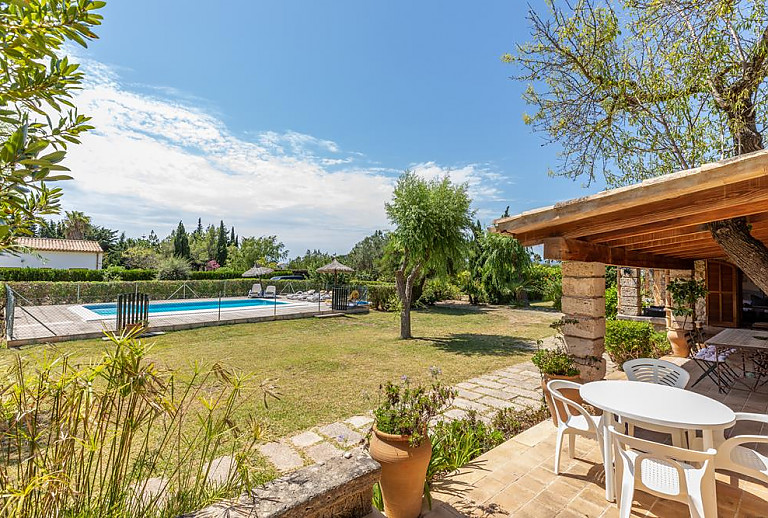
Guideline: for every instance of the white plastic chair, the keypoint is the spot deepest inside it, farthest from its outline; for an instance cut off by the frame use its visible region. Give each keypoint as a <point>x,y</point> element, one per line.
<point>572,420</point>
<point>270,292</point>
<point>255,291</point>
<point>733,456</point>
<point>666,472</point>
<point>659,372</point>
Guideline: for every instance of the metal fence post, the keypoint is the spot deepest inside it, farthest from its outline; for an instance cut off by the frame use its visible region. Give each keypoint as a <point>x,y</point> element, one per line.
<point>78,293</point>
<point>219,305</point>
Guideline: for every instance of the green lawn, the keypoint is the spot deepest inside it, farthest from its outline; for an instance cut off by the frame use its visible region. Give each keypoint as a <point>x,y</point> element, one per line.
<point>328,369</point>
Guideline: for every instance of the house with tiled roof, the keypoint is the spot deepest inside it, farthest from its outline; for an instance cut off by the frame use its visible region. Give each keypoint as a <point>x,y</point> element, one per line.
<point>65,254</point>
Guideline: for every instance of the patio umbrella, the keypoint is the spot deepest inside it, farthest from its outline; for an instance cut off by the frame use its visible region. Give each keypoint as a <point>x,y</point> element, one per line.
<point>335,267</point>
<point>258,271</point>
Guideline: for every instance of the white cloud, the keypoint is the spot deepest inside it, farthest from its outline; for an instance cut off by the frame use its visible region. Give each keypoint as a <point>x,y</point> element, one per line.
<point>482,182</point>
<point>152,161</point>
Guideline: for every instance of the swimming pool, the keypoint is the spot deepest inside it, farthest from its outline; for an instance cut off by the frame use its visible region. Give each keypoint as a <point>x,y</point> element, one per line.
<point>161,307</point>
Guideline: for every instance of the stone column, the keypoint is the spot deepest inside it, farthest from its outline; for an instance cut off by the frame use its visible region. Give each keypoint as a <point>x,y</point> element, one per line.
<point>584,301</point>
<point>630,292</point>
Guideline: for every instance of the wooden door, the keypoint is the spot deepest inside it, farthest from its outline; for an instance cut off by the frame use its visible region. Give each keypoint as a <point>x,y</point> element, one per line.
<point>723,308</point>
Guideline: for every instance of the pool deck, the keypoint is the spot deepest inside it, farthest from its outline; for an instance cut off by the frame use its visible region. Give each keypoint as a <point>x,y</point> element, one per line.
<point>62,323</point>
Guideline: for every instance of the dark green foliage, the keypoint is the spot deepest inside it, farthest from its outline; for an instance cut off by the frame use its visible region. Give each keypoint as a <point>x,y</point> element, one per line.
<point>50,274</point>
<point>611,276</point>
<point>545,282</point>
<point>365,257</point>
<point>221,245</point>
<point>627,340</point>
<point>611,303</point>
<point>181,242</point>
<point>685,293</point>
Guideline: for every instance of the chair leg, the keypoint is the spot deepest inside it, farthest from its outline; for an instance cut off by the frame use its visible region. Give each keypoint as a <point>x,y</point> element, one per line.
<point>572,445</point>
<point>627,496</point>
<point>558,448</point>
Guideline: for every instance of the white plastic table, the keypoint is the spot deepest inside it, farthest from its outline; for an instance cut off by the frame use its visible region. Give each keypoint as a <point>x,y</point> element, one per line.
<point>660,405</point>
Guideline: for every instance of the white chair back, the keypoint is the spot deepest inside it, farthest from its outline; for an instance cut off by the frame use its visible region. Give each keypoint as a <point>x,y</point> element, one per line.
<point>568,409</point>
<point>665,471</point>
<point>659,372</point>
<point>256,288</point>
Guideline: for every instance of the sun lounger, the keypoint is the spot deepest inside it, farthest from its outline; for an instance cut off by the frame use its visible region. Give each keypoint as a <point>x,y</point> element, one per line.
<point>255,291</point>
<point>270,292</point>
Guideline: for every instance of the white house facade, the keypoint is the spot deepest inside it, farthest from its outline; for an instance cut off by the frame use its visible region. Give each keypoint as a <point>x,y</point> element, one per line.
<point>64,254</point>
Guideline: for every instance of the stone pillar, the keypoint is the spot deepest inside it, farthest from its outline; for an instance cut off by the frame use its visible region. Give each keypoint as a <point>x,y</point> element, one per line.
<point>700,274</point>
<point>630,291</point>
<point>584,301</point>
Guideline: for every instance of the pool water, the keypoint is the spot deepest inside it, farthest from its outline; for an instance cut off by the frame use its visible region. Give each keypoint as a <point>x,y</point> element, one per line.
<point>155,308</point>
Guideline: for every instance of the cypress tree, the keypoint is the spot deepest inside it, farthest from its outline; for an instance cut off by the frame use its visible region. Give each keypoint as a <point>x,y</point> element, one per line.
<point>232,236</point>
<point>221,245</point>
<point>181,242</point>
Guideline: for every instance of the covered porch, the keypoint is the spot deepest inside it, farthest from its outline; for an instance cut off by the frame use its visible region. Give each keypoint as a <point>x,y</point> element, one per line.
<point>517,478</point>
<point>658,226</point>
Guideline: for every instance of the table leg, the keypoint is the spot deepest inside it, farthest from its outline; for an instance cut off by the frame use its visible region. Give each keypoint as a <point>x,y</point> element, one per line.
<point>608,419</point>
<point>707,439</point>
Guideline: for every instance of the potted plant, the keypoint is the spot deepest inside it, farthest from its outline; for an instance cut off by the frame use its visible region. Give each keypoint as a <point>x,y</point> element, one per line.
<point>399,442</point>
<point>556,364</point>
<point>685,293</point>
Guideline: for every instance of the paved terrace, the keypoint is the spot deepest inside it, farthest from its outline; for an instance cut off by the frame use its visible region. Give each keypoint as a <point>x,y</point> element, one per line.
<point>516,479</point>
<point>64,323</point>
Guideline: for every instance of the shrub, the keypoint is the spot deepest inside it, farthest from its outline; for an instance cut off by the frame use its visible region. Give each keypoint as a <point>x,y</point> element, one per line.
<point>436,290</point>
<point>379,295</point>
<point>611,303</point>
<point>510,422</point>
<point>628,340</point>
<point>99,431</point>
<point>173,269</point>
<point>60,275</point>
<point>556,362</point>
<point>139,257</point>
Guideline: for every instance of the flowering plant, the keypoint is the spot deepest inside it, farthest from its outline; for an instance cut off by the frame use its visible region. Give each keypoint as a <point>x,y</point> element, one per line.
<point>406,410</point>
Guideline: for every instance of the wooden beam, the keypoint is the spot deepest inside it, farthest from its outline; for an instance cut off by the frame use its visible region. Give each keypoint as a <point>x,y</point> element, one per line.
<point>564,249</point>
<point>749,201</point>
<point>661,189</point>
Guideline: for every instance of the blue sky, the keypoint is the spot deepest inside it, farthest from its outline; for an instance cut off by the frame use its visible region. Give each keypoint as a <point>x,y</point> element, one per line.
<point>295,117</point>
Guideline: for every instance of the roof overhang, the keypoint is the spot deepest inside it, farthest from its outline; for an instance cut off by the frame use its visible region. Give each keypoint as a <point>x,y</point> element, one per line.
<point>658,223</point>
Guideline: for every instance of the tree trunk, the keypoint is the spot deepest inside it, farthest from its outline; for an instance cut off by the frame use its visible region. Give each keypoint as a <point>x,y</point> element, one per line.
<point>405,321</point>
<point>744,250</point>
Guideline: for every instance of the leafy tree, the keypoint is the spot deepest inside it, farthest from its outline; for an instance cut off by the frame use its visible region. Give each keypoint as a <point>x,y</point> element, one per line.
<point>181,242</point>
<point>642,88</point>
<point>221,245</point>
<point>76,224</point>
<point>365,256</point>
<point>37,117</point>
<point>472,279</point>
<point>173,269</point>
<point>431,218</point>
<point>140,257</point>
<point>504,266</point>
<point>232,237</point>
<point>257,250</point>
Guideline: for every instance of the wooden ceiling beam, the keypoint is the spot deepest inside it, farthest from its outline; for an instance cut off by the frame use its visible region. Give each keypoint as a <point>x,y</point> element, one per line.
<point>747,202</point>
<point>563,249</point>
<point>664,189</point>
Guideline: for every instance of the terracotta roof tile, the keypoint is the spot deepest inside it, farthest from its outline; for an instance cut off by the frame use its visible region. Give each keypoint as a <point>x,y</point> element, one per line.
<point>59,245</point>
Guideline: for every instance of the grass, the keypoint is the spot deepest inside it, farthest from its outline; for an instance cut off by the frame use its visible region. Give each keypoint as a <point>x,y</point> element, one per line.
<point>330,369</point>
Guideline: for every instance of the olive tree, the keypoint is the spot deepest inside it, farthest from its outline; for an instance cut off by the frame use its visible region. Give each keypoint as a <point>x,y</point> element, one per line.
<point>637,88</point>
<point>37,118</point>
<point>431,219</point>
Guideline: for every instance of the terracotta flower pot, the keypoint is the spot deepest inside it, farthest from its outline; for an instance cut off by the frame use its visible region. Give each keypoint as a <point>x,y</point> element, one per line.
<point>680,347</point>
<point>403,472</point>
<point>571,394</point>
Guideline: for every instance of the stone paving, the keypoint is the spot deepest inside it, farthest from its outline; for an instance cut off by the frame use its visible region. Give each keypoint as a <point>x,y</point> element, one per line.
<point>517,386</point>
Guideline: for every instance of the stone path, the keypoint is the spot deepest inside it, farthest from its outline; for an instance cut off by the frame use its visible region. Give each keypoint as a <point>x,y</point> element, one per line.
<point>517,386</point>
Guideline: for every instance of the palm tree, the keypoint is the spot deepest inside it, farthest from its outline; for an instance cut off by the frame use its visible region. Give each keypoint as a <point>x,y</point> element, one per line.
<point>76,224</point>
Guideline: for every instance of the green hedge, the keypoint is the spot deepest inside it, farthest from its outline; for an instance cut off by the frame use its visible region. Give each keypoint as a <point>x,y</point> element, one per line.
<point>55,275</point>
<point>381,295</point>
<point>628,340</point>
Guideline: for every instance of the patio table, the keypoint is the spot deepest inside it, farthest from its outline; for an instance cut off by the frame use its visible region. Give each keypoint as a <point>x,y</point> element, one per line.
<point>664,406</point>
<point>752,344</point>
